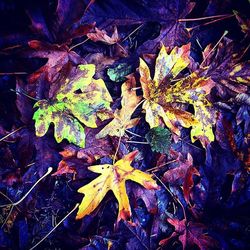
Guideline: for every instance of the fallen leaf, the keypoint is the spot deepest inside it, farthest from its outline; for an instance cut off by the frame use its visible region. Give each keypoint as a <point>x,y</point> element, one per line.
<point>64,168</point>
<point>69,109</point>
<point>118,73</point>
<point>182,175</point>
<point>113,177</point>
<point>122,117</point>
<point>101,36</point>
<point>193,89</point>
<point>190,234</point>
<point>159,139</point>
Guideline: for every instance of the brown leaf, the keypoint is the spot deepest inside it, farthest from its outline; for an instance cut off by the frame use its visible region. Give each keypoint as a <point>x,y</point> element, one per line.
<point>101,36</point>
<point>64,168</point>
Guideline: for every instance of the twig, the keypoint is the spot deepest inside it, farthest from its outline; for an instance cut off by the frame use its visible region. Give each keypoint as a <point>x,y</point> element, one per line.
<point>205,24</point>
<point>138,142</point>
<point>183,209</point>
<point>132,32</point>
<point>22,93</point>
<point>19,201</point>
<point>54,228</point>
<point>78,44</point>
<point>132,133</point>
<point>117,149</point>
<point>201,18</point>
<point>13,73</point>
<point>13,132</point>
<point>160,166</point>
<point>224,34</point>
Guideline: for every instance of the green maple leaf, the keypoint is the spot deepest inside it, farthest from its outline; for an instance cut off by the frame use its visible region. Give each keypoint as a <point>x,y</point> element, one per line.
<point>79,100</point>
<point>159,139</point>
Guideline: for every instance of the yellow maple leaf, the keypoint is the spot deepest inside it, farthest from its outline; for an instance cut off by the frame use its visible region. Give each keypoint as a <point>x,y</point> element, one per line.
<point>160,93</point>
<point>122,117</point>
<point>113,177</point>
<point>167,66</point>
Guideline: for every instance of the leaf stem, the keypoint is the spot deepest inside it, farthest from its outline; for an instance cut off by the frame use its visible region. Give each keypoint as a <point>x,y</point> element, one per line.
<point>54,228</point>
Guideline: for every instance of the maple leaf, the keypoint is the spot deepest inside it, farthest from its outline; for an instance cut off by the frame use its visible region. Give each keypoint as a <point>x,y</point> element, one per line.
<point>113,177</point>
<point>122,117</point>
<point>223,66</point>
<point>69,109</point>
<point>160,95</point>
<point>173,32</point>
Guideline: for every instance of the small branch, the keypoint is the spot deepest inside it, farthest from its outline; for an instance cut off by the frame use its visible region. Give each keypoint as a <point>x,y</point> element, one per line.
<point>160,166</point>
<point>54,228</point>
<point>177,200</point>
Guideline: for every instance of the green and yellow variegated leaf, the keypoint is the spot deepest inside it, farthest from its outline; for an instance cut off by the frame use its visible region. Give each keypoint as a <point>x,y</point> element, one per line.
<point>70,109</point>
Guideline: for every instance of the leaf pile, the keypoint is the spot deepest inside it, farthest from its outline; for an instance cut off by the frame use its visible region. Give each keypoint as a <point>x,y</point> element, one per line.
<point>124,124</point>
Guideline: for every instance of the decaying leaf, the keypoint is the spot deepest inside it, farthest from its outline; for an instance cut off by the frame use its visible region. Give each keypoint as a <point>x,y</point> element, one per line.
<point>190,234</point>
<point>69,108</point>
<point>182,175</point>
<point>64,168</point>
<point>101,36</point>
<point>113,177</point>
<point>122,117</point>
<point>159,139</point>
<point>160,94</point>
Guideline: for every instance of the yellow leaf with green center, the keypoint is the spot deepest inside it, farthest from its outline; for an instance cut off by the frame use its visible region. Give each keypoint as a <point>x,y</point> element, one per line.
<point>113,177</point>
<point>122,117</point>
<point>164,91</point>
<point>79,100</point>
